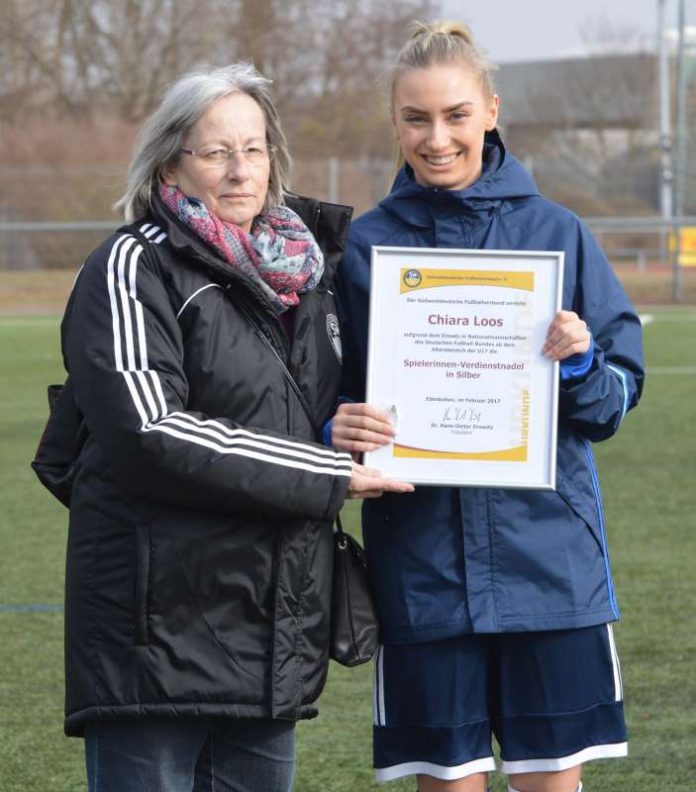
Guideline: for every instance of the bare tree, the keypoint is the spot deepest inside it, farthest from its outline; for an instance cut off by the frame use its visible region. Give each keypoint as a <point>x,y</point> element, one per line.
<point>346,113</point>
<point>37,37</point>
<point>136,47</point>
<point>78,57</point>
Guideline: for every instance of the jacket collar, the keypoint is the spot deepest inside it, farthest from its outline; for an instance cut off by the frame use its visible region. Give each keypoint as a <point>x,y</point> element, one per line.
<point>503,177</point>
<point>328,222</point>
<point>191,246</point>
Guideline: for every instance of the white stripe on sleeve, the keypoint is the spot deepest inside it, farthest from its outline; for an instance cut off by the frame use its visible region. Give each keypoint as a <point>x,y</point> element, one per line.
<point>148,397</point>
<point>124,258</point>
<point>622,376</point>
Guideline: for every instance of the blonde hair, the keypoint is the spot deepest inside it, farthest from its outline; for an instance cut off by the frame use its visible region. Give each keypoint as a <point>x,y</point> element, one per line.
<point>437,43</point>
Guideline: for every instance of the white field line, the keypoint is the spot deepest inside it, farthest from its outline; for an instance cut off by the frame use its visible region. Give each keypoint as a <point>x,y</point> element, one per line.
<point>667,317</point>
<point>671,371</point>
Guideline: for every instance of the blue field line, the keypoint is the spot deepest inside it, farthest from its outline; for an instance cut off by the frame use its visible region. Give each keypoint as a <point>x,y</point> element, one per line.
<point>31,608</point>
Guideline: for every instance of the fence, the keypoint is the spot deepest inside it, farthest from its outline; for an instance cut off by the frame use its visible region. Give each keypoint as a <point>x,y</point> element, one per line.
<point>638,247</point>
<point>39,205</point>
<point>650,252</point>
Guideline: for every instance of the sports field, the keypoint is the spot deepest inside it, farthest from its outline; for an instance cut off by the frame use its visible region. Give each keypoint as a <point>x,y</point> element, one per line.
<point>649,487</point>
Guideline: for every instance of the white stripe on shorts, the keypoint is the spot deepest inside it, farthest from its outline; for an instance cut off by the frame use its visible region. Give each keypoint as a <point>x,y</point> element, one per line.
<point>616,665</point>
<point>378,713</point>
<point>609,751</point>
<point>442,772</point>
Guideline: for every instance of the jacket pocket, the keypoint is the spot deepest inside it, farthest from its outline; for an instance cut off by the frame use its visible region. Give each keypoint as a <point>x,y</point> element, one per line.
<point>583,505</point>
<point>142,584</point>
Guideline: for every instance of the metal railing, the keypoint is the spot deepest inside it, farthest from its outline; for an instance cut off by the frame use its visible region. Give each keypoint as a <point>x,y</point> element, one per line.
<point>639,242</point>
<point>654,240</point>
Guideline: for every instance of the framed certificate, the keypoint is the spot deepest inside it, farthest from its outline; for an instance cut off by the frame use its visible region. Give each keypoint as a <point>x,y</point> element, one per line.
<point>454,356</point>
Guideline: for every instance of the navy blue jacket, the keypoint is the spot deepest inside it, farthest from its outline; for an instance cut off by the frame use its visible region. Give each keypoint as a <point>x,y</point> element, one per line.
<point>446,561</point>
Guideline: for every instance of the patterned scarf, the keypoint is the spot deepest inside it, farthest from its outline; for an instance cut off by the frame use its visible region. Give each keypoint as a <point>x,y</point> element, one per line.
<point>280,254</point>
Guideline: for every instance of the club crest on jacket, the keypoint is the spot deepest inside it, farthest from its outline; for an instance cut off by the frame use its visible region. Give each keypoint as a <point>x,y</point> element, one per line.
<point>334,334</point>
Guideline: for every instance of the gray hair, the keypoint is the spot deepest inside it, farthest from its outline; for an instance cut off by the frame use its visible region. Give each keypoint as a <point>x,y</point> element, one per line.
<point>163,133</point>
<point>439,43</point>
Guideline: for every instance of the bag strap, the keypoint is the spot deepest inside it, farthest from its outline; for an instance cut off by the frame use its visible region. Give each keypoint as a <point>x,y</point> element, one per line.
<point>338,529</point>
<point>244,310</point>
<point>288,376</point>
<point>246,313</point>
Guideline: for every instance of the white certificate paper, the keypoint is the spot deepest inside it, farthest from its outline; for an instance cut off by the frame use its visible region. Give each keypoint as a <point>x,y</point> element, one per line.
<point>455,340</point>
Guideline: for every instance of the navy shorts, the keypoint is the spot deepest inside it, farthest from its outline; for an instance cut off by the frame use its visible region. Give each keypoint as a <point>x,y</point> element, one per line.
<point>553,700</point>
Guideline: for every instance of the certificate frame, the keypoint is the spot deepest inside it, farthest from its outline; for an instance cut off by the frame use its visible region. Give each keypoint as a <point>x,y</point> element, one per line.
<point>454,355</point>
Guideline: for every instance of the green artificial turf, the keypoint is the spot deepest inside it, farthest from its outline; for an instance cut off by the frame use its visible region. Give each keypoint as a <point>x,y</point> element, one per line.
<point>648,477</point>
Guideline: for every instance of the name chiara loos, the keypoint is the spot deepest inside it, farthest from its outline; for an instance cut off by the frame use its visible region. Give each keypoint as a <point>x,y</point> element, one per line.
<point>464,321</point>
<point>486,344</point>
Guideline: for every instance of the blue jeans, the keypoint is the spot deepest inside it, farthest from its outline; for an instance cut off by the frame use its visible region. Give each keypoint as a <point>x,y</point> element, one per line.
<point>194,754</point>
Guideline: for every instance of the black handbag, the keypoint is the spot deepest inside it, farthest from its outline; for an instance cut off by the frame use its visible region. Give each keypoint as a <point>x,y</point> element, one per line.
<point>354,631</point>
<point>62,440</point>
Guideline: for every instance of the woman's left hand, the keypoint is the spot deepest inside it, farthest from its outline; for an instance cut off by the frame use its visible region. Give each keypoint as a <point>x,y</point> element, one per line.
<point>567,335</point>
<point>370,483</point>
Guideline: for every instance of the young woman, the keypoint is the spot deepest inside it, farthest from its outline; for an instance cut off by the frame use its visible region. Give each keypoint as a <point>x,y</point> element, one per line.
<point>495,605</point>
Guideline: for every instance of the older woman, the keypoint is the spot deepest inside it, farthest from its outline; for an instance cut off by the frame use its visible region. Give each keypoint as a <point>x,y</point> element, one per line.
<point>199,557</point>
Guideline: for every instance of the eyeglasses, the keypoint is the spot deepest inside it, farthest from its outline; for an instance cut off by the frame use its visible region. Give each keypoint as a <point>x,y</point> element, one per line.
<point>217,156</point>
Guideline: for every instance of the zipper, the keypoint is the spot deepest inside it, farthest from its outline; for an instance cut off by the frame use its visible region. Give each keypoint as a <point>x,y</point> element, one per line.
<point>272,331</point>
<point>280,349</point>
<point>315,221</point>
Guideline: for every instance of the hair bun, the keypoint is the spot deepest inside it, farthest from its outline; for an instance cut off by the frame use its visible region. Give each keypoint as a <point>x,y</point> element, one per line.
<point>441,27</point>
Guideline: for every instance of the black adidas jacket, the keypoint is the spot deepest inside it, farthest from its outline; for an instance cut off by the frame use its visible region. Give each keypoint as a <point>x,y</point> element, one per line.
<point>199,553</point>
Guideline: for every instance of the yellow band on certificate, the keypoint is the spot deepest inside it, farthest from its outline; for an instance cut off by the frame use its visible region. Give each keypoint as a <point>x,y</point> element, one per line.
<point>517,454</point>
<point>415,278</point>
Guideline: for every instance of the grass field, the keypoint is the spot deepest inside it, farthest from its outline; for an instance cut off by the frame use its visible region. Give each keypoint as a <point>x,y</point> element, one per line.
<point>649,486</point>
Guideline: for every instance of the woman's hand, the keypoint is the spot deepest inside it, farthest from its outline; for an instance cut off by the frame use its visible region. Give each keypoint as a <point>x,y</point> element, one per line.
<point>370,483</point>
<point>360,427</point>
<point>567,335</point>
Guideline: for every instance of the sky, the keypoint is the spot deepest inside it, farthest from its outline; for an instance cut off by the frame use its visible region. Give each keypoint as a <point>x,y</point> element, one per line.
<point>524,30</point>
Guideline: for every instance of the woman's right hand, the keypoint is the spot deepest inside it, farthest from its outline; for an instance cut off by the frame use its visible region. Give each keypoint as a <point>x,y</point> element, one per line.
<point>370,483</point>
<point>358,427</point>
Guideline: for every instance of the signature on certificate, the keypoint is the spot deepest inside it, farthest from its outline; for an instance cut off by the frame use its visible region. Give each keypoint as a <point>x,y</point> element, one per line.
<point>459,414</point>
